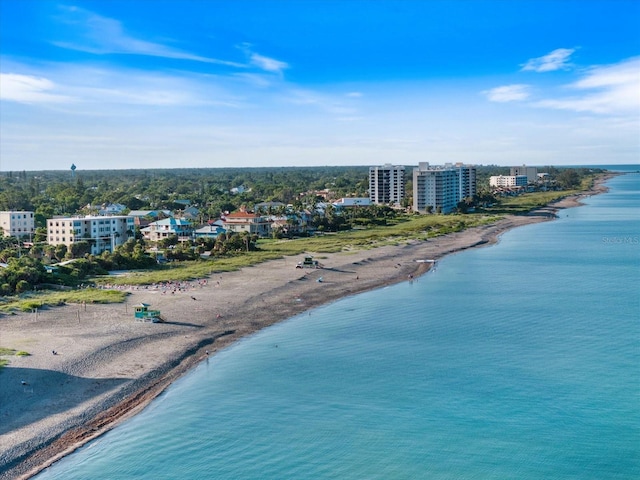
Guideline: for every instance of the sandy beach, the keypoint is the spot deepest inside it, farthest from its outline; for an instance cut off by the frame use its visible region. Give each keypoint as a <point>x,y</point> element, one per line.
<point>108,366</point>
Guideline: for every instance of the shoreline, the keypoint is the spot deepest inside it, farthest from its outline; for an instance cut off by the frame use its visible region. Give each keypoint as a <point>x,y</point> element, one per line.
<point>109,367</point>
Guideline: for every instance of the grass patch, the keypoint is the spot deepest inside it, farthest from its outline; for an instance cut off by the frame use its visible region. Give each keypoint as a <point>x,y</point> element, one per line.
<point>527,202</point>
<point>405,228</point>
<point>10,352</point>
<point>32,301</point>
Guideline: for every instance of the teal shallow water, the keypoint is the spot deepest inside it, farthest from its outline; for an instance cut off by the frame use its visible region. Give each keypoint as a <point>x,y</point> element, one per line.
<point>521,360</point>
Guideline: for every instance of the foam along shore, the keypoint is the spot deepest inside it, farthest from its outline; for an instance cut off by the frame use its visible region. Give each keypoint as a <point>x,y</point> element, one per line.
<point>92,366</point>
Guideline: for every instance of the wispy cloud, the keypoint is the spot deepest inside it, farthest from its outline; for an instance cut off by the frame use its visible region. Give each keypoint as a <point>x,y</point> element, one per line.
<point>268,64</point>
<point>29,89</point>
<point>556,60</point>
<point>79,87</point>
<point>508,93</point>
<point>262,62</point>
<point>611,89</point>
<point>93,33</point>
<point>321,101</point>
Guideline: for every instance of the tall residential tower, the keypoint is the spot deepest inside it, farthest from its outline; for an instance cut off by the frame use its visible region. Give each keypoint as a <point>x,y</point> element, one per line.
<point>440,188</point>
<point>386,184</point>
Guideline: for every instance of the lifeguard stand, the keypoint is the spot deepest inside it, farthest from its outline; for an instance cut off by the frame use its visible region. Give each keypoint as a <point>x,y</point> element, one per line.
<point>142,312</point>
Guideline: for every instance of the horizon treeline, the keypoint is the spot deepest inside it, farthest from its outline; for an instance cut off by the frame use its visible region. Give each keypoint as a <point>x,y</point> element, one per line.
<point>56,192</point>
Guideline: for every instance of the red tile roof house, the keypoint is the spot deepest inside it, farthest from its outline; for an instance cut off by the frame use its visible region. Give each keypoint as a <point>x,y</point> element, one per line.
<point>244,221</point>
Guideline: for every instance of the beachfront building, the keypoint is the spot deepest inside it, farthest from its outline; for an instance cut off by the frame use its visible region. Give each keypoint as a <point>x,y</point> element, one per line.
<point>17,224</point>
<point>210,230</point>
<point>441,188</point>
<point>243,221</point>
<point>508,181</point>
<point>103,233</point>
<point>168,227</point>
<point>530,172</point>
<point>386,184</point>
<point>351,202</point>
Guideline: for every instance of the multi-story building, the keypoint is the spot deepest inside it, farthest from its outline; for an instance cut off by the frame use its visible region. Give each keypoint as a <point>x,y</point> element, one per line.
<point>244,221</point>
<point>103,233</point>
<point>17,224</point>
<point>168,227</point>
<point>386,184</point>
<point>530,172</point>
<point>468,184</point>
<point>508,181</point>
<point>441,188</point>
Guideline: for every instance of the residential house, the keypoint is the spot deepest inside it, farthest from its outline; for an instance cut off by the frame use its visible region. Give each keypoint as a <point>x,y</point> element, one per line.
<point>168,227</point>
<point>210,230</point>
<point>111,209</point>
<point>352,202</point>
<point>243,221</point>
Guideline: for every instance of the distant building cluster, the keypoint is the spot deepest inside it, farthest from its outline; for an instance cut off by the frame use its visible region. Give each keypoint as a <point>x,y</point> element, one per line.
<point>436,189</point>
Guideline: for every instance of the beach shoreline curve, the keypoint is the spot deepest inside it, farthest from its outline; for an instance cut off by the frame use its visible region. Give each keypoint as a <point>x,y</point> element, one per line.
<point>108,367</point>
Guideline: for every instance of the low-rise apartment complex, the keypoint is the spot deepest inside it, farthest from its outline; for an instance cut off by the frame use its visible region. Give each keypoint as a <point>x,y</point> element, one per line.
<point>101,232</point>
<point>17,224</point>
<point>508,181</point>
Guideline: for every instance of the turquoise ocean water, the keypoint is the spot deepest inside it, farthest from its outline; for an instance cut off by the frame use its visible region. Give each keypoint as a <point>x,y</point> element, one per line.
<point>520,360</point>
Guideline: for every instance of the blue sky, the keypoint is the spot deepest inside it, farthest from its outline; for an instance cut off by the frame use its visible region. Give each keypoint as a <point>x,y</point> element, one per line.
<point>192,83</point>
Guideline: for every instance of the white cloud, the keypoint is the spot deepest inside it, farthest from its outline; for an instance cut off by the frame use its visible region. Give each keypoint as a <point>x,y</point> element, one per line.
<point>268,64</point>
<point>81,88</point>
<point>556,60</point>
<point>508,93</point>
<point>611,89</point>
<point>102,35</point>
<point>29,89</point>
<point>354,94</point>
<point>264,63</point>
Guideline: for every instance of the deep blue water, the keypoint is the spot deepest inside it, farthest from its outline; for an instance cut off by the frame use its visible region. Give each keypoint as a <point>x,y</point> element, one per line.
<point>520,360</point>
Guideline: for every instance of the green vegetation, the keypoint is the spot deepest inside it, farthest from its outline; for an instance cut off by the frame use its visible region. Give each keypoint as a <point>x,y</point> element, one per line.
<point>32,272</point>
<point>407,228</point>
<point>32,301</point>
<point>527,202</point>
<point>6,352</point>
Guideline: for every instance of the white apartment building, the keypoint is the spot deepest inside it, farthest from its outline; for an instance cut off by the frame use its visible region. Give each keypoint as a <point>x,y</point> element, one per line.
<point>104,233</point>
<point>442,187</point>
<point>17,224</point>
<point>508,181</point>
<point>530,172</point>
<point>386,184</point>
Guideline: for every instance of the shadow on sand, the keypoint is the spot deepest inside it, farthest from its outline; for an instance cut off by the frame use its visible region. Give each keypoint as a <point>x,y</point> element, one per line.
<point>28,395</point>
